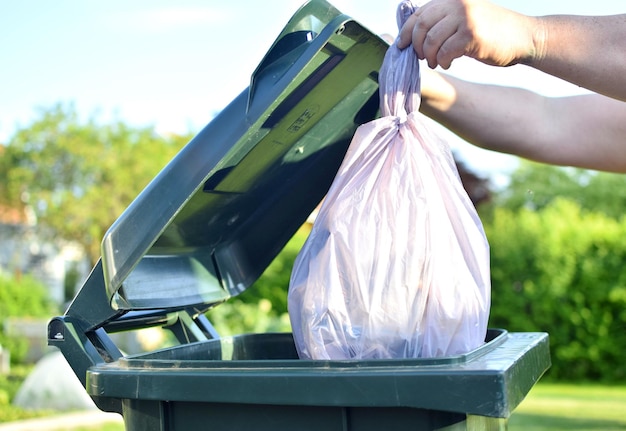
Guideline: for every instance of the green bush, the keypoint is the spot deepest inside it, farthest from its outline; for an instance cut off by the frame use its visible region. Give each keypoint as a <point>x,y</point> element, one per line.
<point>21,297</point>
<point>24,296</point>
<point>561,270</point>
<point>236,317</point>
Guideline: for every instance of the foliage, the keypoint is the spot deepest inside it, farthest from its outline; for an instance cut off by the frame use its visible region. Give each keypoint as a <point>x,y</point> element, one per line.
<point>560,270</point>
<point>24,296</point>
<point>535,185</point>
<point>21,297</point>
<point>237,317</point>
<point>79,176</point>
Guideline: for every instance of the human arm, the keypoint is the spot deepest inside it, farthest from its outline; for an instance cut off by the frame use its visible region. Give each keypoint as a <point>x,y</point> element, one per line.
<point>588,51</point>
<point>587,131</point>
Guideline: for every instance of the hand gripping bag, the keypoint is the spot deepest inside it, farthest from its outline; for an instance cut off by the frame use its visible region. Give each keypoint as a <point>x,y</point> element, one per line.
<point>397,262</point>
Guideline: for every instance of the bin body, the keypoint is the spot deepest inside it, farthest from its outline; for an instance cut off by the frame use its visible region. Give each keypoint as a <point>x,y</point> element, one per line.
<point>146,416</point>
<point>256,382</point>
<point>206,228</point>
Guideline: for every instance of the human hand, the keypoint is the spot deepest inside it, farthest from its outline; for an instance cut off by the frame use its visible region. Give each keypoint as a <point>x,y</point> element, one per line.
<point>443,30</point>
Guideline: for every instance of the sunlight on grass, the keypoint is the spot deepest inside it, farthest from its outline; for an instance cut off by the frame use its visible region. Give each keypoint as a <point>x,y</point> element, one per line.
<point>581,407</point>
<point>110,426</point>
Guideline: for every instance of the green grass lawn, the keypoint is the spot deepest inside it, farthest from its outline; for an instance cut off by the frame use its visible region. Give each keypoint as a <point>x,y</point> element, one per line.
<point>571,407</point>
<point>111,426</point>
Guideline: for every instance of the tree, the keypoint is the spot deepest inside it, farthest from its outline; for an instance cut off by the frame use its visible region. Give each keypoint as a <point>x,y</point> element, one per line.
<point>79,176</point>
<point>535,185</point>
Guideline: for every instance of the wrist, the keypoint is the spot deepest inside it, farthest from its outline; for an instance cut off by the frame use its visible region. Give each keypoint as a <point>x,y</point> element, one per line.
<point>537,49</point>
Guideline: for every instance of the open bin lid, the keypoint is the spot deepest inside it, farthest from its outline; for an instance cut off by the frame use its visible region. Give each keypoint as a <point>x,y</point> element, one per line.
<point>213,219</point>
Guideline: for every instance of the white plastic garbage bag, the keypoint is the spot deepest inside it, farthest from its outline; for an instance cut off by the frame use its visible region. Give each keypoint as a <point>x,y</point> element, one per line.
<point>397,262</point>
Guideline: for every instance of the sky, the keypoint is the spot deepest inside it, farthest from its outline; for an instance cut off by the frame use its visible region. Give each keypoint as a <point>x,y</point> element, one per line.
<point>173,65</point>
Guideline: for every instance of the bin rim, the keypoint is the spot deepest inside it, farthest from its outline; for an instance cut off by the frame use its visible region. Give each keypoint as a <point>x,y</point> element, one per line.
<point>495,338</point>
<point>490,384</point>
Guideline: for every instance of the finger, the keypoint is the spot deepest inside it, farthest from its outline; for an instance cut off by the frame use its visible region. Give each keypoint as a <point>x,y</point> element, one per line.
<point>406,32</point>
<point>435,39</point>
<point>426,18</point>
<point>420,31</point>
<point>453,48</point>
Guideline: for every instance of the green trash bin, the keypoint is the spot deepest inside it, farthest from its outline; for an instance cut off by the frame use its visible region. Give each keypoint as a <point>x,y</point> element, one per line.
<point>208,226</point>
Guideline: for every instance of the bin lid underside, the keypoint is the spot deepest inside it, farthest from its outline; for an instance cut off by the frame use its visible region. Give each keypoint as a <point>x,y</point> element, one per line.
<point>215,217</point>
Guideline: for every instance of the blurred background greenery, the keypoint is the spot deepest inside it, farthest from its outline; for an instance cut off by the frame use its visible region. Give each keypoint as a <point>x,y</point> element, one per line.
<point>557,236</point>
